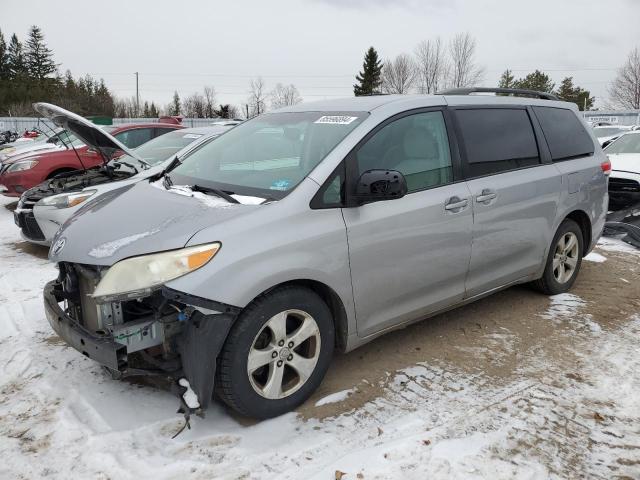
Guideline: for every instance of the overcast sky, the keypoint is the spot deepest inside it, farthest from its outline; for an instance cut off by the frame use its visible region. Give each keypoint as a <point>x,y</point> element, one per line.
<point>318,45</point>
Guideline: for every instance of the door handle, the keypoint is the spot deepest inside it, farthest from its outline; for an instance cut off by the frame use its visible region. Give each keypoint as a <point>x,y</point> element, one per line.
<point>454,203</point>
<point>486,196</point>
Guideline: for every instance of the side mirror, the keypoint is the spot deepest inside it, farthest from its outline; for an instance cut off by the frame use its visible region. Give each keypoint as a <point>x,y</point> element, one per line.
<point>376,185</point>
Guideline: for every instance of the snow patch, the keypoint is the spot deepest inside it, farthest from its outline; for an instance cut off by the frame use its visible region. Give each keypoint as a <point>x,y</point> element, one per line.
<point>335,397</point>
<point>109,248</point>
<point>563,305</point>
<point>595,257</point>
<point>208,200</point>
<point>190,397</point>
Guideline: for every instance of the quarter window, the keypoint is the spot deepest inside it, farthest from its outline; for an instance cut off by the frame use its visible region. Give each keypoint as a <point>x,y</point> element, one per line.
<point>497,140</point>
<point>564,133</point>
<point>416,145</point>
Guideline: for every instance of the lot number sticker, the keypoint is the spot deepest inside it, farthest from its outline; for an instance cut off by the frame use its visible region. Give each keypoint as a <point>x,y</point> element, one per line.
<point>336,119</point>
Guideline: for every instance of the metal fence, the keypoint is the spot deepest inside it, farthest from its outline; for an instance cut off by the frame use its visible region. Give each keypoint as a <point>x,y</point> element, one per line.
<point>20,124</point>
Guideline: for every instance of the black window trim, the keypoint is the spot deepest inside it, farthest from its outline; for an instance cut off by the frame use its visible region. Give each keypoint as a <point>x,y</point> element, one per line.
<point>349,167</point>
<point>543,153</point>
<point>568,157</point>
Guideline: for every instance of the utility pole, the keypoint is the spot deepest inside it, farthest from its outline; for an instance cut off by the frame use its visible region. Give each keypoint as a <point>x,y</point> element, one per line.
<point>137,97</point>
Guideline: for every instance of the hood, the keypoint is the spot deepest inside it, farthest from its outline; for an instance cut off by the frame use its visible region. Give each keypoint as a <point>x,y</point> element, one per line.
<point>25,155</point>
<point>89,133</point>
<point>9,153</point>
<point>137,219</point>
<point>625,162</point>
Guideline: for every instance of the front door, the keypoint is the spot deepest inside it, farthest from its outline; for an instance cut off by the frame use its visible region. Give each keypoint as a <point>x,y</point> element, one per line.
<point>409,256</point>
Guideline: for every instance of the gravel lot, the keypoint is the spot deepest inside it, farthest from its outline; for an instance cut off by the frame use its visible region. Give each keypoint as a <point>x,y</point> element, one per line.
<point>515,386</point>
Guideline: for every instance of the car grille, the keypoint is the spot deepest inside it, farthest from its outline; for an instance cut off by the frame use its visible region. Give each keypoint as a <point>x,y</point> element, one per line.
<point>622,185</point>
<point>27,222</point>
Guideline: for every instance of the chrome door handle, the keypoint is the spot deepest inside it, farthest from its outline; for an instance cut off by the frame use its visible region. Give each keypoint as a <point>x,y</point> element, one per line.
<point>486,196</point>
<point>456,204</point>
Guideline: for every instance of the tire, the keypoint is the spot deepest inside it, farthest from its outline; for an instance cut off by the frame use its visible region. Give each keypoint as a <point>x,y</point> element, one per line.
<point>556,277</point>
<point>257,335</point>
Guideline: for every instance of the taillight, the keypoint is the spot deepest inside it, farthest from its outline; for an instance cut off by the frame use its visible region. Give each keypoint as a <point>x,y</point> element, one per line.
<point>606,166</point>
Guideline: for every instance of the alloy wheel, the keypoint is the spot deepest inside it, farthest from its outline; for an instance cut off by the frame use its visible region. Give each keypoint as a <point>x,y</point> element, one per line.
<point>565,258</point>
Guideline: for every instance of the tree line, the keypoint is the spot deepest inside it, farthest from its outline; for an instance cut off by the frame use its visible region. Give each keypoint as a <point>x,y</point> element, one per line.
<point>28,73</point>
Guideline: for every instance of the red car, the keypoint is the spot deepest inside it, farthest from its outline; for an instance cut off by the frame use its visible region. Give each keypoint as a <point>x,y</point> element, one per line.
<point>23,172</point>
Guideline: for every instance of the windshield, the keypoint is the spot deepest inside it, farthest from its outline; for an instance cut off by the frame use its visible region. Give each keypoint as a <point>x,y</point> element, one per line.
<point>607,131</point>
<point>628,143</point>
<point>268,155</point>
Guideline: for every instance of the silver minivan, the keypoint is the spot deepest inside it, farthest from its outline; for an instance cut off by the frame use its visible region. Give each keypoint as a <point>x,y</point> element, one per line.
<point>319,227</point>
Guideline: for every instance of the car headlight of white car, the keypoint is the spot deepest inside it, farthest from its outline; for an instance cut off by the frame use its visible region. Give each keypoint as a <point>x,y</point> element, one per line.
<point>66,200</point>
<point>23,165</point>
<point>137,276</point>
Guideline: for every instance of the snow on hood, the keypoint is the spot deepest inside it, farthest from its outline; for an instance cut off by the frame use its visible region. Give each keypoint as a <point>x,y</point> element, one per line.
<point>625,162</point>
<point>141,218</point>
<point>88,132</point>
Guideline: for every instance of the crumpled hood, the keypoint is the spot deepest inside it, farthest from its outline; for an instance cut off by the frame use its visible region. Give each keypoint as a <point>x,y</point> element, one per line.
<point>137,219</point>
<point>625,162</point>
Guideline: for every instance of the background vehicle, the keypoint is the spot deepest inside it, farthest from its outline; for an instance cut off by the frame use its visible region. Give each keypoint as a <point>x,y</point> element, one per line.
<point>42,209</point>
<point>624,182</point>
<point>23,172</point>
<point>323,226</point>
<point>608,134</point>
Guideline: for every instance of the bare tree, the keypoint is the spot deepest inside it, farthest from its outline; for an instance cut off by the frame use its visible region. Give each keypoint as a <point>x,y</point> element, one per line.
<point>209,102</point>
<point>431,65</point>
<point>398,75</point>
<point>625,89</point>
<point>257,99</point>
<point>194,105</point>
<point>464,71</point>
<point>284,95</point>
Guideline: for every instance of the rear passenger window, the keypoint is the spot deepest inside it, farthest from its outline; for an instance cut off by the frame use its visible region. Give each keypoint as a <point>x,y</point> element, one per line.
<point>416,145</point>
<point>497,140</point>
<point>564,133</point>
<point>136,137</point>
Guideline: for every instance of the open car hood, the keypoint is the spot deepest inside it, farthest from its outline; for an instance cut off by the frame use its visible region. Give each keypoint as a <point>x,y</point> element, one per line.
<point>89,133</point>
<point>625,162</point>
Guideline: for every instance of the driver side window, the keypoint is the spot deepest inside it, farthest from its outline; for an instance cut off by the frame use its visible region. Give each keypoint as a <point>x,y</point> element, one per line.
<point>416,145</point>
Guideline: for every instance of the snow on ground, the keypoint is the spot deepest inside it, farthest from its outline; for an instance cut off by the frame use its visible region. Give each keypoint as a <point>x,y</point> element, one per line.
<point>575,414</point>
<point>595,257</point>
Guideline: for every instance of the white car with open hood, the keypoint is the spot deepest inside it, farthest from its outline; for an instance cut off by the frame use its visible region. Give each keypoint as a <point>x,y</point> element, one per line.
<point>624,181</point>
<point>47,206</point>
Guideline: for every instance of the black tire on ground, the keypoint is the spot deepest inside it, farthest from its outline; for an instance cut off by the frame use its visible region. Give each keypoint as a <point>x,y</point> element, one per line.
<point>548,283</point>
<point>232,382</point>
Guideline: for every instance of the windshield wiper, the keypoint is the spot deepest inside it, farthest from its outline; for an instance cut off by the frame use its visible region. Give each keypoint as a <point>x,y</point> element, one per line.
<point>167,182</point>
<point>220,193</point>
<point>126,164</point>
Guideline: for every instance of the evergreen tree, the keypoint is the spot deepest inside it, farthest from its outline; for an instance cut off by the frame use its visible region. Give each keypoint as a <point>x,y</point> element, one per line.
<point>175,107</point>
<point>370,79</point>
<point>15,58</point>
<point>507,80</point>
<point>146,113</point>
<point>570,93</point>
<point>38,58</point>
<point>153,111</point>
<point>4,66</point>
<point>537,81</point>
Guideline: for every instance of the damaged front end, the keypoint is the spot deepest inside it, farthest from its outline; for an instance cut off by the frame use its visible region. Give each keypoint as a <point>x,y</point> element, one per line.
<point>164,333</point>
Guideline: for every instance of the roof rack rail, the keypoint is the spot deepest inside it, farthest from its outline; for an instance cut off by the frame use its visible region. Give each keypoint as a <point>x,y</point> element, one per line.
<point>508,91</point>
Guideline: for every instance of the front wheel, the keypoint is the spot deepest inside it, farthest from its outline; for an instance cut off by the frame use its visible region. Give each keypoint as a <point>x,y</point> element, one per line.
<point>563,261</point>
<point>277,353</point>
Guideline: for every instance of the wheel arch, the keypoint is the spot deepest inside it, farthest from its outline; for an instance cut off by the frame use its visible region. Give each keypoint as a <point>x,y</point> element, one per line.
<point>333,301</point>
<point>58,171</point>
<point>583,221</point>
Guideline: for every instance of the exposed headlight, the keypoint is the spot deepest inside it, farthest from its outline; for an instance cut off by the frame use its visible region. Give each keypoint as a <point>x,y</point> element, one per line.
<point>136,276</point>
<point>20,166</point>
<point>66,200</point>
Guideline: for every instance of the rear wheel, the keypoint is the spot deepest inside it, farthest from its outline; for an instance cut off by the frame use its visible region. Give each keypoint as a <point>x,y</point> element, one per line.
<point>277,353</point>
<point>564,260</point>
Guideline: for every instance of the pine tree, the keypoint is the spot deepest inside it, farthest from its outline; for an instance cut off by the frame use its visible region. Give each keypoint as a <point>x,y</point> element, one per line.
<point>370,79</point>
<point>15,58</point>
<point>153,111</point>
<point>570,93</point>
<point>175,106</point>
<point>4,66</point>
<point>537,81</point>
<point>146,113</point>
<point>507,80</point>
<point>38,58</point>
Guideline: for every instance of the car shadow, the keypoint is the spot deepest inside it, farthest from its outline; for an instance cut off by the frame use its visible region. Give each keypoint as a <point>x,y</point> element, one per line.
<point>38,251</point>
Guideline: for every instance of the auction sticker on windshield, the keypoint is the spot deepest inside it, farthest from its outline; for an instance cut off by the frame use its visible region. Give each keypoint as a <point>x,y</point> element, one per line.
<point>336,119</point>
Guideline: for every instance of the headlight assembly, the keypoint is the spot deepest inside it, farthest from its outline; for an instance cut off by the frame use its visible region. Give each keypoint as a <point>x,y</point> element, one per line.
<point>136,276</point>
<point>66,200</point>
<point>23,165</point>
